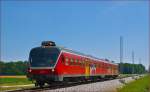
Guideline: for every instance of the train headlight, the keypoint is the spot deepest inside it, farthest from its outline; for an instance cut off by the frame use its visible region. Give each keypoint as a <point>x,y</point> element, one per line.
<point>30,70</point>
<point>53,70</point>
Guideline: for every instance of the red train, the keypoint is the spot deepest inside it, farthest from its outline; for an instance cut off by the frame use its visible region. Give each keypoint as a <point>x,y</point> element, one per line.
<point>51,64</point>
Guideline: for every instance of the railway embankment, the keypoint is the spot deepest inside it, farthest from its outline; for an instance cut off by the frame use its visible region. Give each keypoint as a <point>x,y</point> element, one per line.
<point>105,86</point>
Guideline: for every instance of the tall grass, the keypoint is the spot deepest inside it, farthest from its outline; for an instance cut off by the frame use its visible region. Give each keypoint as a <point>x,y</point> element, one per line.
<point>140,85</point>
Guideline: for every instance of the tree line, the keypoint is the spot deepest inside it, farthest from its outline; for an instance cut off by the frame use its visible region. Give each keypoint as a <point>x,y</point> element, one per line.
<point>13,68</point>
<point>20,68</point>
<point>127,68</point>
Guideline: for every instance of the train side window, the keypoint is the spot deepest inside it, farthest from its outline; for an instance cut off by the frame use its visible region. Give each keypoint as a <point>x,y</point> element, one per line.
<point>97,65</point>
<point>76,62</point>
<point>94,64</point>
<point>71,61</point>
<point>83,63</point>
<point>79,62</point>
<point>66,61</point>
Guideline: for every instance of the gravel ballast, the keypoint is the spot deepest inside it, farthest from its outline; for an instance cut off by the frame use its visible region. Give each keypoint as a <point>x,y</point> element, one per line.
<point>105,86</point>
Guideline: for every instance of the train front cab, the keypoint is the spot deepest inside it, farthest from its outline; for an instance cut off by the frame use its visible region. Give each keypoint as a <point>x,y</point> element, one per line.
<point>42,62</point>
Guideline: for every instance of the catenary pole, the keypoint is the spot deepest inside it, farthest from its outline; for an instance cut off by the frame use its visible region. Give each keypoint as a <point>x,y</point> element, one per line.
<point>121,54</point>
<point>133,62</point>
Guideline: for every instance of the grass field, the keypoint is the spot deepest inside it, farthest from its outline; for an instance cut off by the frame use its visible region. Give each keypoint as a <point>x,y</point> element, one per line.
<point>140,85</point>
<point>21,76</point>
<point>13,81</point>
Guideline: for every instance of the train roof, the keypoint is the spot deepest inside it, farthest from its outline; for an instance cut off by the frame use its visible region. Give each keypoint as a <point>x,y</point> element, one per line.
<point>78,53</point>
<point>82,54</point>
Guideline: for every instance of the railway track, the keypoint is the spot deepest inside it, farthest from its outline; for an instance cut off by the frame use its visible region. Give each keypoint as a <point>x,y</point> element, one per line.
<point>64,85</point>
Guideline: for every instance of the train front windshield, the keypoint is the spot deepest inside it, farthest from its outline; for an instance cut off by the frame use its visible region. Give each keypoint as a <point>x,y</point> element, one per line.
<point>43,57</point>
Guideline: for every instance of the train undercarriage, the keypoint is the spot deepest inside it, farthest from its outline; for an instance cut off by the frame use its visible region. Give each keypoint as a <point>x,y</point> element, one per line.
<point>41,80</point>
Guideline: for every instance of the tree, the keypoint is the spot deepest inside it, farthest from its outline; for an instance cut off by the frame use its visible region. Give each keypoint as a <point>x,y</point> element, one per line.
<point>13,68</point>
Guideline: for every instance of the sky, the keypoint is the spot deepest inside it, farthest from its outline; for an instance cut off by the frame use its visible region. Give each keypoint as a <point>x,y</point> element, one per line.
<point>89,27</point>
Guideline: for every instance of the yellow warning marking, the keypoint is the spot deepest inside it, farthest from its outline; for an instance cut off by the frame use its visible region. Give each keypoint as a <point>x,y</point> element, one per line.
<point>87,71</point>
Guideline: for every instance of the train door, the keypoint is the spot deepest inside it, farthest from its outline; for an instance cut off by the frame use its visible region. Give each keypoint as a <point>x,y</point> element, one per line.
<point>92,69</point>
<point>109,69</point>
<point>87,69</point>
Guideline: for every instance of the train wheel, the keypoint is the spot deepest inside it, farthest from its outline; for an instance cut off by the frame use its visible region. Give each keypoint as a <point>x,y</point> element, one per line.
<point>36,84</point>
<point>41,85</point>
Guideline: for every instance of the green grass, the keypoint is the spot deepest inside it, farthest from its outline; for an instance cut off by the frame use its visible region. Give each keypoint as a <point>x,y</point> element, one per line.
<point>140,85</point>
<point>124,75</point>
<point>14,88</point>
<point>14,81</point>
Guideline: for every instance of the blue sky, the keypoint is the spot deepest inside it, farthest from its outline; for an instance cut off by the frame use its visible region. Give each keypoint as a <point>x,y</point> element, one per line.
<point>89,27</point>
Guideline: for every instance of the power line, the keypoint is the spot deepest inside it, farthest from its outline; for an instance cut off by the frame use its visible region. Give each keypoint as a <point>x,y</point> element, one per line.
<point>121,49</point>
